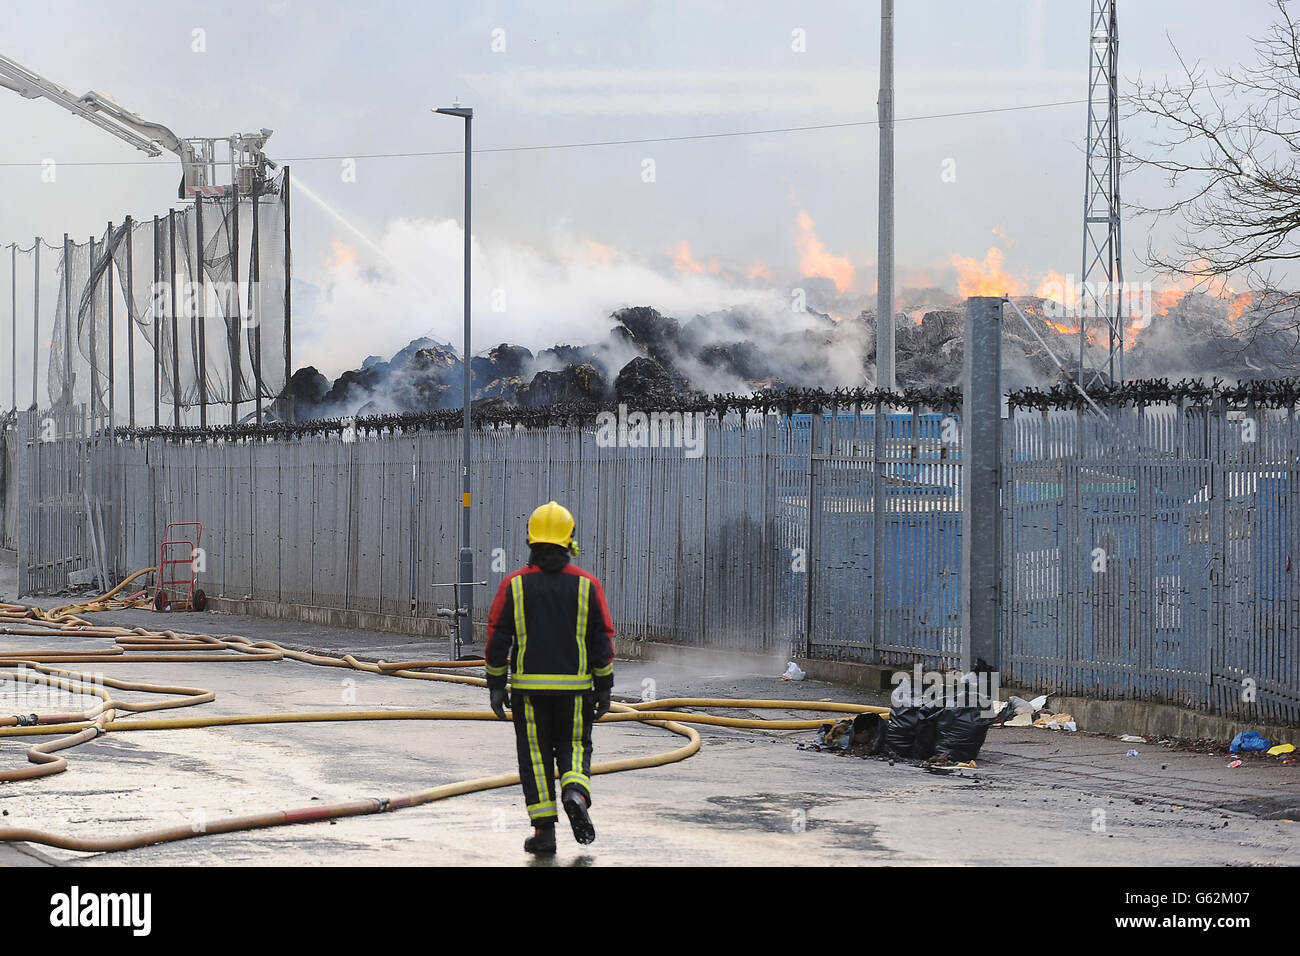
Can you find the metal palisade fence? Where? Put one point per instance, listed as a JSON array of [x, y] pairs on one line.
[[1144, 555], [1150, 555]]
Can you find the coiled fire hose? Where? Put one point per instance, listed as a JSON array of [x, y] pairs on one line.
[[42, 666]]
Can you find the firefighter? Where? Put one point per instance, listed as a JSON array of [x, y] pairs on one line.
[[550, 627]]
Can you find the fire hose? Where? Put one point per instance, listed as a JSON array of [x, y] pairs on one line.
[[139, 645]]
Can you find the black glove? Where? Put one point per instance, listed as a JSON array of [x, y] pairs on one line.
[[499, 702], [602, 705]]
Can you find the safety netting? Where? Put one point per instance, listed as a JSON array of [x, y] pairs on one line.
[[202, 288]]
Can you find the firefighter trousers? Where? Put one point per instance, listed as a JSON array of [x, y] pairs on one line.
[[551, 730]]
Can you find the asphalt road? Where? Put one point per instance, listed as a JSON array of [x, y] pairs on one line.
[[747, 798]]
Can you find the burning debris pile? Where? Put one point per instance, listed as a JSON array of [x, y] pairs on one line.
[[648, 358]]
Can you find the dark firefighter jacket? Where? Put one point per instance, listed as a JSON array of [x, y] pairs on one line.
[[554, 631]]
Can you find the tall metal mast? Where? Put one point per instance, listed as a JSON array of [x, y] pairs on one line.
[[885, 243], [1102, 274]]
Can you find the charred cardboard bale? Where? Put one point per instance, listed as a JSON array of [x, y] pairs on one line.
[[309, 388], [352, 388], [573, 383], [501, 361], [648, 329], [506, 389], [644, 382], [565, 355], [744, 360]]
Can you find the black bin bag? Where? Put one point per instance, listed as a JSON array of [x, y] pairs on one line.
[[961, 733], [912, 732]]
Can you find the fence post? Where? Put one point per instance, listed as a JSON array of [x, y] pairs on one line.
[[130, 321], [13, 325], [156, 312], [36, 314], [197, 310], [90, 294], [981, 460], [879, 508], [1218, 545], [235, 321], [66, 395], [288, 303], [812, 532], [171, 283]]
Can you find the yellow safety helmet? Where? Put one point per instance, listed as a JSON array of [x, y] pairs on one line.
[[552, 523]]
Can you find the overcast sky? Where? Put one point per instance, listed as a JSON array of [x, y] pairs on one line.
[[569, 234]]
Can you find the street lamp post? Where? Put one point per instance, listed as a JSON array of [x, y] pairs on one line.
[[466, 590]]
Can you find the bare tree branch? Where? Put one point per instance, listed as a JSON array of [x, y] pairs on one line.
[[1227, 149]]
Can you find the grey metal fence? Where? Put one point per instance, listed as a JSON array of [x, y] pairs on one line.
[[1148, 555]]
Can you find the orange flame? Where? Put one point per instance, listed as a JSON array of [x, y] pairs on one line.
[[1057, 288], [597, 251], [343, 253], [684, 261], [759, 270], [814, 260], [1238, 306], [975, 277]]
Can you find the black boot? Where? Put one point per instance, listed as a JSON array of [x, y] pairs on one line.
[[575, 805], [542, 840]]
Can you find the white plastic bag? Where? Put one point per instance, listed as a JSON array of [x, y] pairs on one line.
[[793, 672]]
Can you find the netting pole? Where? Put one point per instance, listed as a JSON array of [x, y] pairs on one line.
[[197, 316], [108, 271], [130, 321], [288, 305], [66, 396], [157, 321], [36, 314], [95, 403], [176, 347], [234, 322], [13, 325], [255, 311]]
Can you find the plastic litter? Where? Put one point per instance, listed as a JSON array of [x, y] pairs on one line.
[[793, 672], [1019, 705], [1248, 741], [1235, 763], [1131, 753], [1054, 721], [1133, 739], [1020, 720], [1281, 749]]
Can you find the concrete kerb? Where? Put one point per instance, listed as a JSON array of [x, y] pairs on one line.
[[1094, 716], [340, 617]]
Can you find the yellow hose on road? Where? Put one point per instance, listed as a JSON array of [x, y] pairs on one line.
[[68, 612], [138, 645]]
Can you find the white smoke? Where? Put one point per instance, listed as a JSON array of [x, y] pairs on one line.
[[520, 295]]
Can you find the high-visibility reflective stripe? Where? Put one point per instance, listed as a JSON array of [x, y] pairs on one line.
[[584, 594], [576, 764], [572, 682], [521, 631], [604, 671], [496, 671], [546, 809], [534, 751], [574, 776]]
